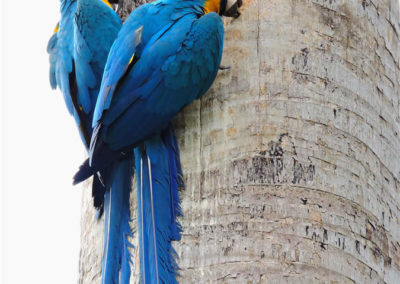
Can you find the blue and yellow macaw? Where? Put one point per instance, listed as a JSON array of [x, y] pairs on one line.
[[78, 53], [166, 55]]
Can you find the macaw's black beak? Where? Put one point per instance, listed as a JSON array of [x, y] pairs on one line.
[[232, 10], [114, 1]]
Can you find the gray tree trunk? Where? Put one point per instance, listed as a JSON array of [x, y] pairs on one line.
[[292, 160]]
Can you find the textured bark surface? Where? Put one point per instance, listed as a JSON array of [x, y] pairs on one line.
[[292, 160]]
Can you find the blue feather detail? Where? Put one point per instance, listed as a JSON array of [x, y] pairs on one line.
[[114, 70], [116, 256], [176, 179], [85, 77], [52, 51], [159, 174]]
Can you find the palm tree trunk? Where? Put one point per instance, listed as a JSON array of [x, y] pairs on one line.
[[292, 160]]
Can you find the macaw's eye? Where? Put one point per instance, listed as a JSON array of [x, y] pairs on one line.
[[230, 8]]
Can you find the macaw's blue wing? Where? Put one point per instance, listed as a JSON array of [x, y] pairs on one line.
[[60, 48], [122, 55], [95, 28], [52, 50], [78, 52], [157, 17], [175, 67], [62, 71], [85, 77]]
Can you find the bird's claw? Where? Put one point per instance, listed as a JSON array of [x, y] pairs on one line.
[[222, 67]]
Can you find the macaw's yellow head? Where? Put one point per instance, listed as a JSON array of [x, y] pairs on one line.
[[228, 8]]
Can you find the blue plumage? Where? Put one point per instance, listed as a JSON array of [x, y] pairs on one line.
[[178, 61], [78, 53], [116, 256], [52, 50], [63, 65], [166, 55], [158, 181], [175, 180]]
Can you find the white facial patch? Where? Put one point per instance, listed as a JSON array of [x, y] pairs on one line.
[[232, 8], [229, 4]]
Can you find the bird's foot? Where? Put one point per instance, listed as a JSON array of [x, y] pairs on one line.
[[222, 67]]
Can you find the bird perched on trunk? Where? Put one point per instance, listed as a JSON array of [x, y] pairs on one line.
[[166, 55], [78, 52]]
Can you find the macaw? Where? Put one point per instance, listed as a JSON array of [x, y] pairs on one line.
[[166, 55], [78, 52]]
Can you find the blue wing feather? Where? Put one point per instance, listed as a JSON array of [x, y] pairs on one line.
[[52, 50], [78, 53], [160, 83], [85, 77], [64, 49], [119, 59], [96, 26]]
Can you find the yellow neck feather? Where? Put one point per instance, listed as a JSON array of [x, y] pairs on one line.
[[212, 6], [107, 3]]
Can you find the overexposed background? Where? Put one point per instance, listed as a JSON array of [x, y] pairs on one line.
[[40, 152]]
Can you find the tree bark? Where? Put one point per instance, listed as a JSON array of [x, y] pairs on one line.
[[292, 160]]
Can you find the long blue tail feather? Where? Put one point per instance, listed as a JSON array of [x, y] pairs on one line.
[[159, 176], [116, 256], [176, 178]]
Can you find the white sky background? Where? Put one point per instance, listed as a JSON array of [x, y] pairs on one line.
[[41, 151]]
